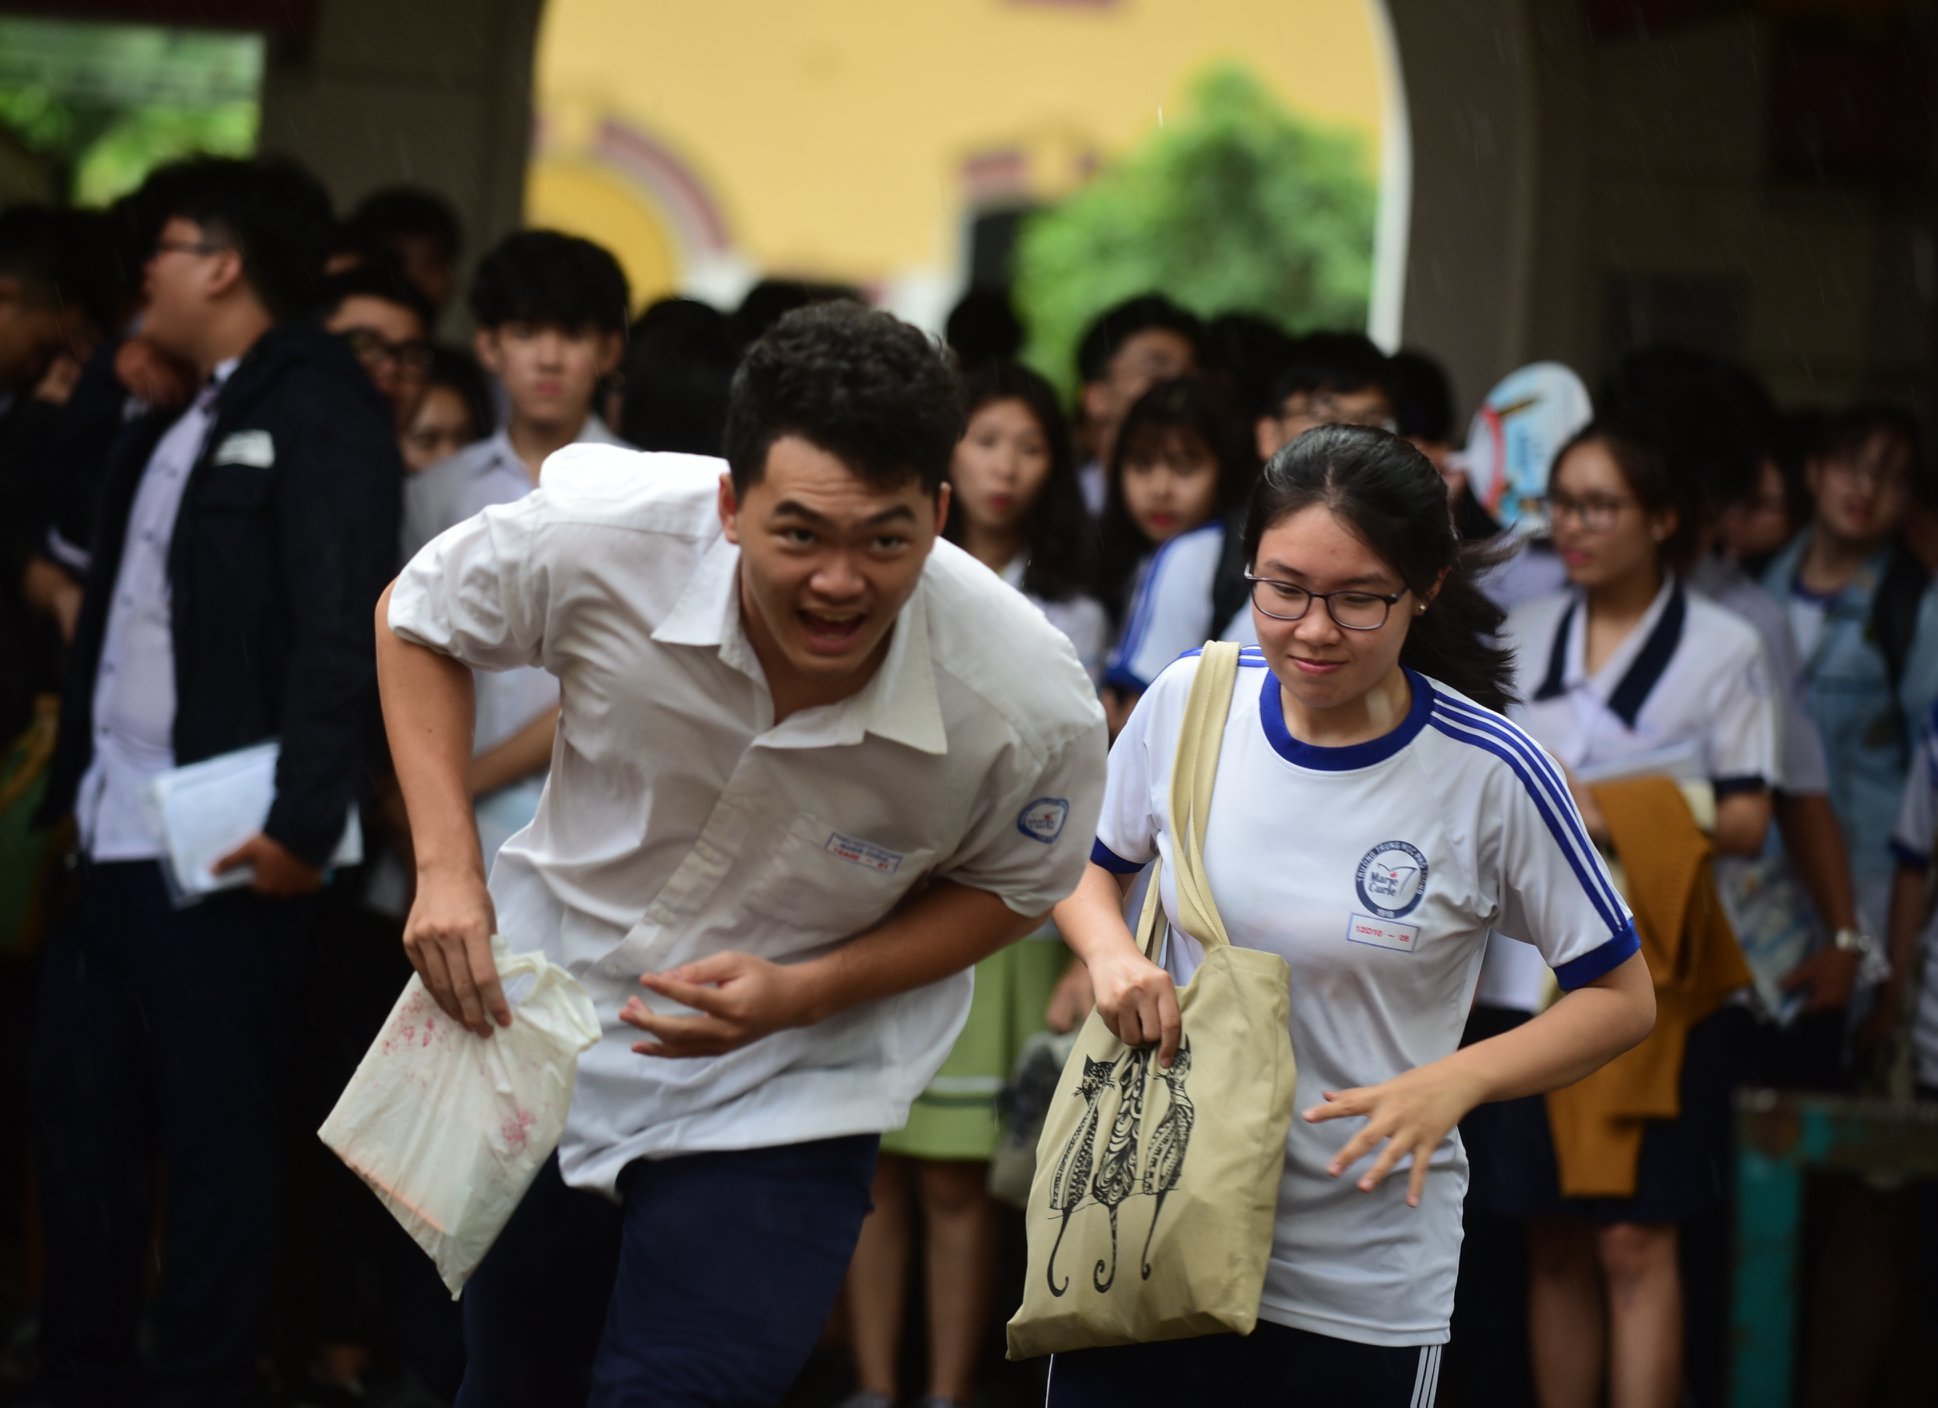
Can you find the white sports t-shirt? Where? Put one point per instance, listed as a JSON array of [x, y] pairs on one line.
[[1377, 871], [1170, 607]]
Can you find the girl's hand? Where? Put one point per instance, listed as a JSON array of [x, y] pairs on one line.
[[1137, 1001], [1071, 1001], [1411, 1114]]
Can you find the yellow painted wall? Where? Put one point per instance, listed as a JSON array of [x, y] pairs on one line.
[[832, 133]]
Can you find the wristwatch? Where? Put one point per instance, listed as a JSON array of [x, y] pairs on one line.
[[1872, 966]]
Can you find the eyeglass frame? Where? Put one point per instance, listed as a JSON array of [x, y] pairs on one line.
[[387, 351], [196, 247], [1311, 596], [1594, 515]]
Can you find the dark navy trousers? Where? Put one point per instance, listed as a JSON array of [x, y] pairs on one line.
[[161, 1045], [709, 1283]]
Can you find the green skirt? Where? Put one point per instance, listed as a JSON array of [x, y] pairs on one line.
[[955, 1118]]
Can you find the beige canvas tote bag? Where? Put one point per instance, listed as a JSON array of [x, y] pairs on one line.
[[1152, 1209]]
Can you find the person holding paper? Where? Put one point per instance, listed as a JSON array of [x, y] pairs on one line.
[[239, 545], [811, 765]]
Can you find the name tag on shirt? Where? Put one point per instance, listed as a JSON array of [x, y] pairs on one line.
[[864, 853], [251, 447], [1382, 933]]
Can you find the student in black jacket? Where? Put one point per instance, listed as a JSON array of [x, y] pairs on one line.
[[239, 548]]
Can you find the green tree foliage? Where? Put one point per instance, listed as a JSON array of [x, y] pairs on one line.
[[101, 105], [1238, 205]]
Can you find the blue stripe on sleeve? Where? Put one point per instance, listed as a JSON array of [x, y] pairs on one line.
[[1536, 774], [1579, 972], [1100, 854], [1909, 858], [1730, 786], [1552, 784]]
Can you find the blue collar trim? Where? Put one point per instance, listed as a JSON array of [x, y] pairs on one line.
[[1271, 713]]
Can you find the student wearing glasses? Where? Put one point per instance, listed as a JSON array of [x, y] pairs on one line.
[[383, 320], [1373, 818], [1629, 673]]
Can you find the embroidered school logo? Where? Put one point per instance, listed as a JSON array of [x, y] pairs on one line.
[[1042, 820], [1392, 879]]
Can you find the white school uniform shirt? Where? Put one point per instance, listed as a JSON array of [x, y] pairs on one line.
[[1170, 607], [1081, 618], [1911, 841], [1689, 694], [678, 820], [481, 474], [1376, 870]]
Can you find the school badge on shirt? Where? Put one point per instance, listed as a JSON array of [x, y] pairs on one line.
[[1042, 820], [1392, 879]]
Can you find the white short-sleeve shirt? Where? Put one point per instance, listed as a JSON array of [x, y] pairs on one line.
[[1689, 693], [679, 820], [1170, 607], [1377, 871]]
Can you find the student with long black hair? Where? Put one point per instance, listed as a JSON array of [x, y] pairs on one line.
[[1179, 474], [1373, 818]]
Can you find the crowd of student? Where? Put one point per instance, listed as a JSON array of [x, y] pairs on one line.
[[1733, 599]]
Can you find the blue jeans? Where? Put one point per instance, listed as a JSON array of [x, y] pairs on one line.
[[713, 1279]]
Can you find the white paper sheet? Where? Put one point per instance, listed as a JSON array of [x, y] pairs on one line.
[[207, 809]]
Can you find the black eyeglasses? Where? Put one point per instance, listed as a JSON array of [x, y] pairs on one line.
[[188, 247], [1352, 611], [373, 349]]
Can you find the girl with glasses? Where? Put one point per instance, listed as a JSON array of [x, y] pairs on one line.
[[1625, 674], [1373, 817]]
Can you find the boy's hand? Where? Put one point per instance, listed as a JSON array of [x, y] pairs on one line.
[[739, 998]]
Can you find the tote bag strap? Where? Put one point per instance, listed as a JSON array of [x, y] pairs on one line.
[[1192, 774]]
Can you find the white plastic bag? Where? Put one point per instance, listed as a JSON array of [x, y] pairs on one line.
[[449, 1128]]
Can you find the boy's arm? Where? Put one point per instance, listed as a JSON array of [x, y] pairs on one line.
[[428, 711], [741, 998]]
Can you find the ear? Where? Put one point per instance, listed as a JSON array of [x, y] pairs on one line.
[[1434, 590], [484, 342], [943, 498], [1266, 435], [225, 273], [729, 510], [611, 348], [1663, 524]]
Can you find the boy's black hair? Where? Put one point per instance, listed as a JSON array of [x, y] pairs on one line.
[[861, 385], [1709, 420], [770, 300], [1422, 395], [550, 280], [679, 364], [1248, 349], [271, 210], [376, 277], [1331, 361], [1117, 325], [63, 258], [408, 212], [983, 328]]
